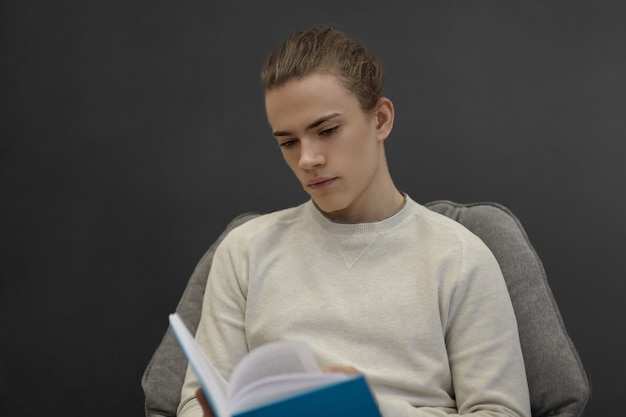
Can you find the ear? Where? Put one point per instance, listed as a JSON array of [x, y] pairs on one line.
[[384, 113]]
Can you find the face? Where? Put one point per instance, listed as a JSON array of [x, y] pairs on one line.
[[334, 148]]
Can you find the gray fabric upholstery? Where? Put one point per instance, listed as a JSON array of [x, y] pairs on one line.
[[557, 380]]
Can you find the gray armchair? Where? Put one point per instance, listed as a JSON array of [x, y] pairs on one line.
[[557, 380]]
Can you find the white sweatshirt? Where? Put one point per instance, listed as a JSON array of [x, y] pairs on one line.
[[416, 302]]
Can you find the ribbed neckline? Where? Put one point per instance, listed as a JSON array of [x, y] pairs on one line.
[[380, 226]]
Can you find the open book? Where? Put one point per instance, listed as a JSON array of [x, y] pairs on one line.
[[278, 379]]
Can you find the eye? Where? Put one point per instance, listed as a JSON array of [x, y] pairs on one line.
[[288, 143], [329, 131]]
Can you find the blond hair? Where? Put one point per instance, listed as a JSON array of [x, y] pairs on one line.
[[327, 50]]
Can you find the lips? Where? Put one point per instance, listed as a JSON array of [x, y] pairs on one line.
[[321, 182]]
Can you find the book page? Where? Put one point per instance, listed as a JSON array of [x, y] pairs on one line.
[[214, 385], [276, 358]]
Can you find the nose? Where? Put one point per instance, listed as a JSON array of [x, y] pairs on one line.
[[311, 155]]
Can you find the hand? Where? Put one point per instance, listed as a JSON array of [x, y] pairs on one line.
[[206, 407], [348, 370]]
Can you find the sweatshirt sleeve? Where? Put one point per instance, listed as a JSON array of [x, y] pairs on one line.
[[221, 332], [482, 340]]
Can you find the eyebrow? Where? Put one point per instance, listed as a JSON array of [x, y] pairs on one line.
[[313, 125]]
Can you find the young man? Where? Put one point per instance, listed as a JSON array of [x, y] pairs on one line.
[[373, 281]]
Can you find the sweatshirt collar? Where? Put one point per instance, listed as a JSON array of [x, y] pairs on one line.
[[380, 226]]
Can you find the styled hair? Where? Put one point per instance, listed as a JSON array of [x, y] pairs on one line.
[[326, 50]]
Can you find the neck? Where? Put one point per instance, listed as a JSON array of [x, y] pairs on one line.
[[379, 206]]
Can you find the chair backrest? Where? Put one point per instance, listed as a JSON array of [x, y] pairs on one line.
[[557, 380]]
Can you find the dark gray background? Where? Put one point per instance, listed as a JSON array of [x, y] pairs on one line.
[[133, 131]]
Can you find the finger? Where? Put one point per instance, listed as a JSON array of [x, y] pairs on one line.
[[348, 370], [206, 407]]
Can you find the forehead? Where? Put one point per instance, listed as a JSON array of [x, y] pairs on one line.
[[299, 102]]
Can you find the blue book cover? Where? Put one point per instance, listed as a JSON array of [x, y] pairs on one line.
[[348, 398]]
